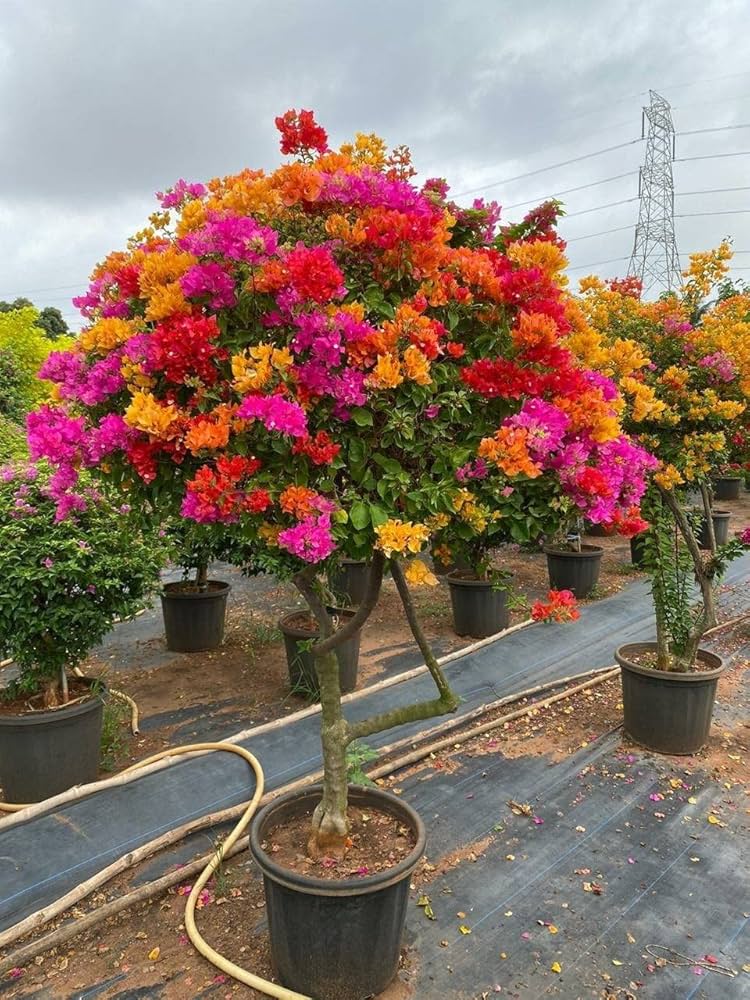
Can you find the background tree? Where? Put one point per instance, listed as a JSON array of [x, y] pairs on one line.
[[52, 322]]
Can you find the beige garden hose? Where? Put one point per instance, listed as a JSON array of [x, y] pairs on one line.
[[195, 936]]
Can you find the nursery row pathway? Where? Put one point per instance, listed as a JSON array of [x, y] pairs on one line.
[[46, 856]]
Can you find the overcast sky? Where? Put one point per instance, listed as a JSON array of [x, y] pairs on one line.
[[103, 102]]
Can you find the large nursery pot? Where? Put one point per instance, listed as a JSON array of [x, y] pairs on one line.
[[574, 571], [335, 940], [46, 752], [667, 711], [479, 609], [726, 487], [720, 519], [193, 616], [303, 677], [349, 579]]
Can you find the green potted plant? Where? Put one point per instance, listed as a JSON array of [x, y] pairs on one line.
[[194, 607], [669, 686], [63, 583], [317, 362]]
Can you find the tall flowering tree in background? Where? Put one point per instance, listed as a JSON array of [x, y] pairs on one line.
[[683, 369], [328, 360]]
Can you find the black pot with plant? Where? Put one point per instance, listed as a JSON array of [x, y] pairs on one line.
[[301, 631], [347, 580], [63, 583], [573, 565], [194, 607], [669, 686]]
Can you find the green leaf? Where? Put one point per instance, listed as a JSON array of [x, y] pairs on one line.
[[377, 515], [362, 417], [359, 515]]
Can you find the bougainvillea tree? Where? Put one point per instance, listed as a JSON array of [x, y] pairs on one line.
[[684, 372], [329, 360]]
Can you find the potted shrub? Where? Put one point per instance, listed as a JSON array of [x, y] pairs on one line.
[[194, 608], [321, 362], [572, 564], [684, 372], [669, 686], [726, 481], [62, 585]]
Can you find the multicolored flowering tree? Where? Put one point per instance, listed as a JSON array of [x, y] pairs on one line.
[[328, 360], [684, 373]]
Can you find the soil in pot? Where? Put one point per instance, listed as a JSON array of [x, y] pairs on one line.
[[720, 519], [667, 711], [299, 627], [194, 616], [727, 487], [348, 581], [336, 934], [46, 751], [574, 571], [479, 608]]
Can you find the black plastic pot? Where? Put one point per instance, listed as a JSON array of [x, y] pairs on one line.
[[194, 619], [720, 519], [599, 531], [43, 753], [348, 581], [667, 711], [727, 487], [479, 610], [335, 940], [303, 676], [638, 549], [575, 571]]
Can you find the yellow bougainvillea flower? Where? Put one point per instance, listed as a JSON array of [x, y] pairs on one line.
[[147, 414], [419, 574], [107, 334], [668, 477], [386, 374], [399, 537]]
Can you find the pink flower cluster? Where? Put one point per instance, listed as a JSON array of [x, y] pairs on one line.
[[275, 413], [211, 281], [80, 382], [310, 539], [721, 365], [235, 237], [174, 197]]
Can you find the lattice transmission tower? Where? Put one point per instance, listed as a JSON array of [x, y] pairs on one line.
[[655, 259]]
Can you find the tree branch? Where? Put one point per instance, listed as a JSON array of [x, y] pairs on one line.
[[703, 572], [446, 694], [706, 496], [427, 709], [363, 612]]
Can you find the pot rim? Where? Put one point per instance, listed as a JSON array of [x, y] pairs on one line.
[[298, 633], [171, 592], [730, 479], [677, 677], [343, 887], [457, 581], [47, 715], [587, 552]]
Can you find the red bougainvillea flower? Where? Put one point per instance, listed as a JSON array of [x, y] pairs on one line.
[[300, 133], [560, 606]]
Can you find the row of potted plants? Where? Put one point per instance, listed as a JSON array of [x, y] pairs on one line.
[[328, 362]]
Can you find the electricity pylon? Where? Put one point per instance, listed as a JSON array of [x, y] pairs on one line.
[[655, 259]]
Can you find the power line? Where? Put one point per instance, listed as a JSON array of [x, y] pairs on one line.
[[711, 156], [604, 232], [718, 128], [598, 263], [552, 166], [733, 211], [611, 204], [684, 194], [580, 187]]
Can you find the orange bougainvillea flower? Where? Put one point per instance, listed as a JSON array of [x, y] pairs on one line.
[[297, 500], [209, 431], [508, 450], [535, 329], [386, 374]]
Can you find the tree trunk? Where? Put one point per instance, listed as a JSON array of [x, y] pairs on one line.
[[329, 823], [201, 575]]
